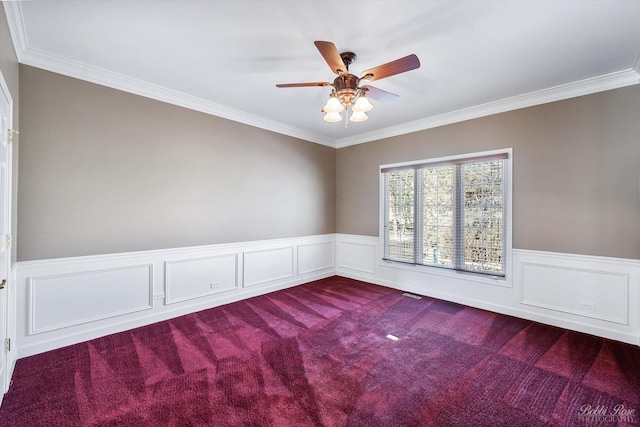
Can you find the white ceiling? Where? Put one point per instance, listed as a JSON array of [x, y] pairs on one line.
[[225, 57]]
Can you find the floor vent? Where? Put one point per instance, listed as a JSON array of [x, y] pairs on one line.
[[406, 294]]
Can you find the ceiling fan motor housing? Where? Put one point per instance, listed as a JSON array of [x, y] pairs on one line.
[[346, 86]]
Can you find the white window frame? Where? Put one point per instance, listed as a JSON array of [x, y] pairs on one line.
[[505, 280]]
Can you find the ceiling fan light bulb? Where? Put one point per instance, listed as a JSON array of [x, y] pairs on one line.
[[359, 116], [332, 117], [333, 105], [362, 105]]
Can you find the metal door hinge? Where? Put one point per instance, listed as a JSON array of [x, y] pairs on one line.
[[7, 344], [8, 240], [13, 132]]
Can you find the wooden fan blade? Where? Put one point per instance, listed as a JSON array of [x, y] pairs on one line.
[[379, 94], [408, 63], [304, 84], [330, 54]]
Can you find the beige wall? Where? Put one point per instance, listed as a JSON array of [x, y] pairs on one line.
[[9, 68], [104, 171], [576, 184]]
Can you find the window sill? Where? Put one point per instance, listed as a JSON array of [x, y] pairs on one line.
[[504, 282]]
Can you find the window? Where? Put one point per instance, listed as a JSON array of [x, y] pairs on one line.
[[447, 213]]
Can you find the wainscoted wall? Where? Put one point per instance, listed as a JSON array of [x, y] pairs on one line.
[[69, 300], [595, 295]]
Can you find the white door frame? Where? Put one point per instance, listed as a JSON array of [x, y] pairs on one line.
[[8, 310]]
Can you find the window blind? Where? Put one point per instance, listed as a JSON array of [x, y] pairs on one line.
[[447, 214]]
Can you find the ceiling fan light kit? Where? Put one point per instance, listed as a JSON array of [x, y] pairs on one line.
[[332, 117], [347, 92], [358, 116], [362, 104], [333, 105]]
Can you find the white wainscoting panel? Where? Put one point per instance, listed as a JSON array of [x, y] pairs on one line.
[[61, 301], [597, 295], [358, 253], [316, 257], [591, 293], [194, 278], [65, 301], [267, 265]]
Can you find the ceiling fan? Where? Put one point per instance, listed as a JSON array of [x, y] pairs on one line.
[[347, 91]]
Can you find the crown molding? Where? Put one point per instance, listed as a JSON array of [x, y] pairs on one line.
[[602, 83], [92, 74], [103, 77], [15, 21], [33, 57]]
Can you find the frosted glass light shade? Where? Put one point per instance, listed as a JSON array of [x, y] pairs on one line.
[[359, 116], [333, 105], [362, 104], [332, 117]]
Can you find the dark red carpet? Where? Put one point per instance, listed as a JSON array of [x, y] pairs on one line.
[[318, 355]]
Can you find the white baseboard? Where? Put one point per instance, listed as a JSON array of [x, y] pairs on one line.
[[70, 300], [594, 295]]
